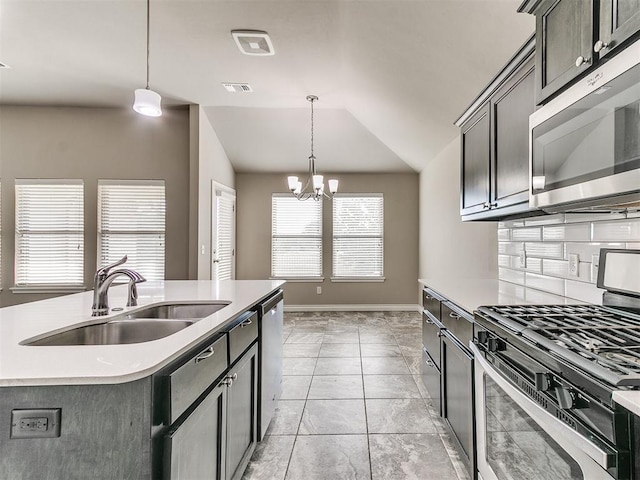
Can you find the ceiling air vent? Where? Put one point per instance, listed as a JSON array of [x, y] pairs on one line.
[[253, 42], [237, 87]]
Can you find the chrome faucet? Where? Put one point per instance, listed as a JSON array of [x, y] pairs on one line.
[[103, 280]]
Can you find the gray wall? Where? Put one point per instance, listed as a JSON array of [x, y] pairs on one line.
[[209, 162], [400, 239], [451, 248], [92, 144]]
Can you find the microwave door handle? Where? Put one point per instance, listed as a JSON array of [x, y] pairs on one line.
[[548, 422]]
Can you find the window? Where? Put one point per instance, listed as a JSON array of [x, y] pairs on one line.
[[49, 233], [358, 224], [296, 238], [131, 221]]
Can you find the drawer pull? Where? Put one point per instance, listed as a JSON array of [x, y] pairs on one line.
[[204, 354], [454, 315], [246, 323]]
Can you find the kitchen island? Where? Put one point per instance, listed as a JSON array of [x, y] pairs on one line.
[[121, 408]]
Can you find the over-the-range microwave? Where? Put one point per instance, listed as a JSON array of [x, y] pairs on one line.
[[584, 145]]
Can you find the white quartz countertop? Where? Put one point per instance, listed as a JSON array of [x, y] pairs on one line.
[[470, 294], [22, 365], [629, 399]]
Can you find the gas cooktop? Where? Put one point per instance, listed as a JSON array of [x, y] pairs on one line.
[[602, 341]]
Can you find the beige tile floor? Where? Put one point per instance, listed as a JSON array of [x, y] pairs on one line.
[[353, 405]]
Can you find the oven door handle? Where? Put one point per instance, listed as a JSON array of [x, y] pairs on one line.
[[606, 459]]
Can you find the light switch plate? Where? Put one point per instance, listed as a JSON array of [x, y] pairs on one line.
[[574, 261], [35, 423]]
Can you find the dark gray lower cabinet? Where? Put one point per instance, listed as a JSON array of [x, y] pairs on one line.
[[457, 395], [430, 374], [195, 448], [241, 418]]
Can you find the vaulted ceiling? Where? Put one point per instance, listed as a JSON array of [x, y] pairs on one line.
[[391, 75]]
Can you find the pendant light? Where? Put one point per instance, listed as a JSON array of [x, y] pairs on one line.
[[314, 186], [147, 102]]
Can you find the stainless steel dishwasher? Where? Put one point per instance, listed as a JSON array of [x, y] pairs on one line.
[[270, 359]]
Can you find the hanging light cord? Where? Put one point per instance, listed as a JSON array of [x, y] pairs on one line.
[[148, 6], [312, 100]]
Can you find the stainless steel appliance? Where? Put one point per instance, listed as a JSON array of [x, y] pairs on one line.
[[544, 377], [585, 144], [270, 355]]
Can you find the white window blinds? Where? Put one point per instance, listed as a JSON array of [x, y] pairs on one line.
[[225, 241], [131, 221], [296, 237], [49, 232], [358, 225]]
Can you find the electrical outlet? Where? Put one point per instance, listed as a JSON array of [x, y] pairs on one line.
[[38, 423], [319, 290], [523, 259], [595, 264], [574, 261]]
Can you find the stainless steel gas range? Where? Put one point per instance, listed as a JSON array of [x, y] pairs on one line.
[[544, 377]]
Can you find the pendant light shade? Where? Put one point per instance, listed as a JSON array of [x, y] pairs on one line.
[[147, 102]]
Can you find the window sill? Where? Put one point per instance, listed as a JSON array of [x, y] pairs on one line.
[[358, 279], [299, 279], [48, 289]]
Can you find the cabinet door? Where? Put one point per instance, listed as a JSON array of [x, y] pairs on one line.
[[242, 412], [195, 448], [457, 396], [511, 107], [430, 376], [564, 42], [619, 21], [476, 151]]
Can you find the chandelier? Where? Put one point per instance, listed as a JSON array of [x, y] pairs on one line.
[[314, 186]]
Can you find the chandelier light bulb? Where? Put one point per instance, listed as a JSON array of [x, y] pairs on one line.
[[317, 182], [293, 182], [333, 185]]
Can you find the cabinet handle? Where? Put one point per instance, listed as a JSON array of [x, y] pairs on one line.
[[582, 60], [454, 315], [493, 205], [599, 45], [246, 323], [204, 354], [228, 381], [485, 206]]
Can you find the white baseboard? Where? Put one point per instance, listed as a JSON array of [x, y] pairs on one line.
[[354, 308]]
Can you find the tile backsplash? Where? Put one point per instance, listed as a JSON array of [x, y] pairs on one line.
[[534, 252]]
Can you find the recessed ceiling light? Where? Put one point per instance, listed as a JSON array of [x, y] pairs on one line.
[[253, 42], [237, 87]]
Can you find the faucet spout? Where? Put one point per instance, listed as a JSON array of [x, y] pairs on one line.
[[103, 280]]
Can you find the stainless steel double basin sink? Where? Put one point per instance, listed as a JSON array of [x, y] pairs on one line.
[[143, 325]]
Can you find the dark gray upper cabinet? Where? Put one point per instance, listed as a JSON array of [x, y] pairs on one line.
[[510, 109], [574, 36], [495, 143], [619, 22], [476, 152], [564, 43]]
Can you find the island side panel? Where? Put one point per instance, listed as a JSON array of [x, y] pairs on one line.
[[105, 433]]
